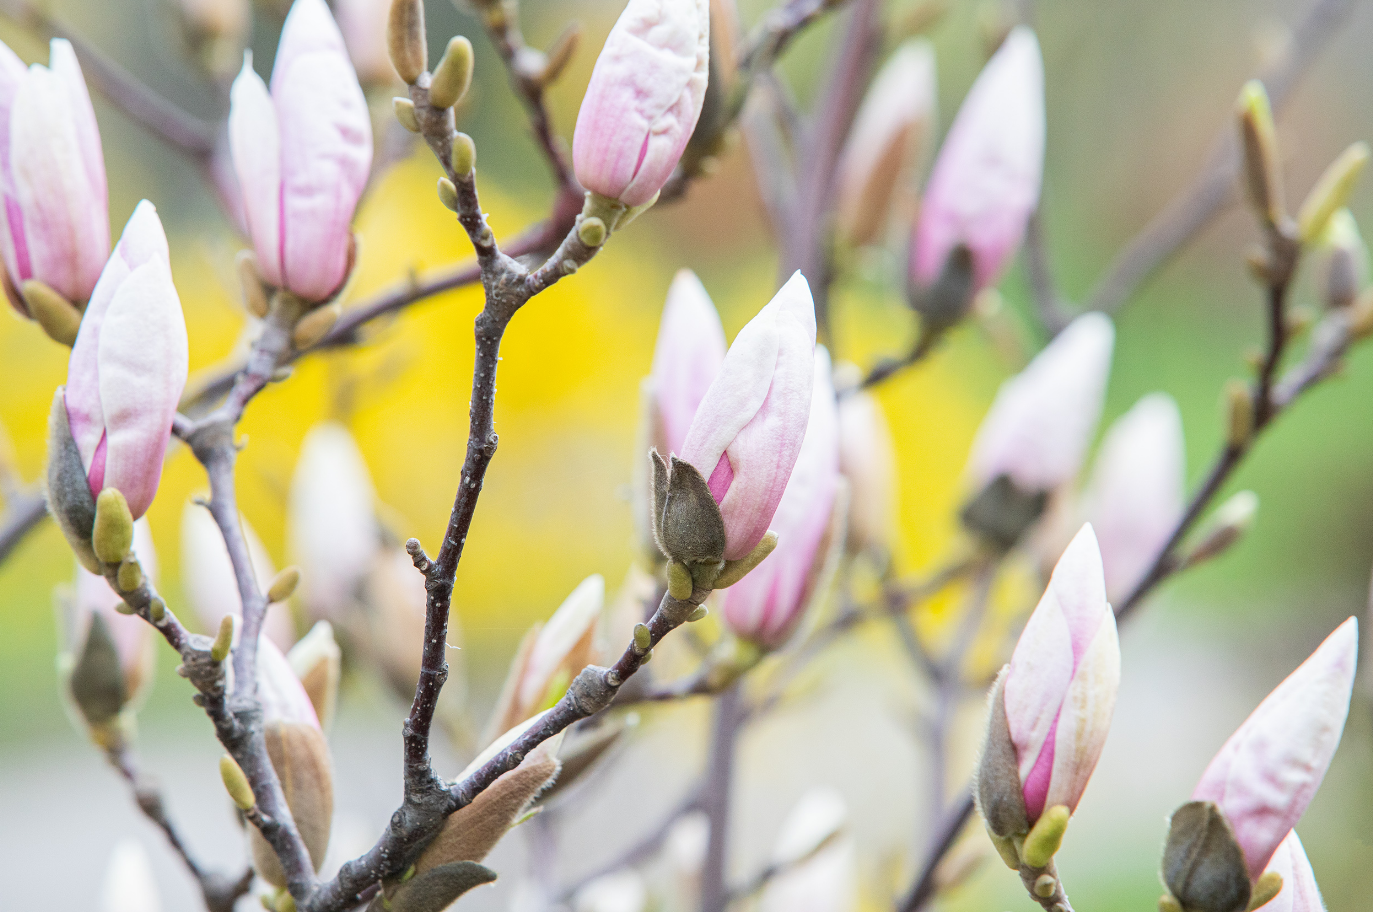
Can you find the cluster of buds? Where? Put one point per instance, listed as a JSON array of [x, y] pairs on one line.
[[110, 425], [1224, 849], [1050, 712], [712, 505], [302, 153], [641, 106], [55, 233], [984, 185], [1035, 436]]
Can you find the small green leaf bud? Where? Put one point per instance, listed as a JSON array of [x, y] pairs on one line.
[[1266, 888], [453, 75], [1045, 837], [405, 39], [283, 584], [125, 608], [1331, 191], [1239, 407], [236, 783], [157, 609], [315, 325], [697, 614], [1045, 886], [1260, 144], [405, 113], [591, 232], [59, 317], [448, 194], [130, 575], [254, 294], [643, 638], [223, 640], [679, 583], [112, 535]]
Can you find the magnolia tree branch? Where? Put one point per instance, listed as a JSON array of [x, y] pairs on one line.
[[716, 798], [22, 514], [220, 891]]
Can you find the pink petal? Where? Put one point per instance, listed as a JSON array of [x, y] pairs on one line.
[[283, 696], [1085, 717], [309, 29], [255, 143], [326, 153], [62, 60], [688, 355], [1299, 890]]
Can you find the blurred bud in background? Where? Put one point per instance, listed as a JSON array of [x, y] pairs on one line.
[[619, 891], [1342, 260], [216, 32], [1299, 891], [300, 757], [1135, 497], [766, 606], [390, 629], [302, 154], [684, 848], [318, 662], [56, 228], [984, 185], [129, 882], [1037, 431], [363, 24], [643, 100], [332, 521], [867, 460], [748, 430], [207, 576], [890, 138], [714, 130], [1050, 710], [1266, 774], [817, 859], [550, 656], [108, 658]]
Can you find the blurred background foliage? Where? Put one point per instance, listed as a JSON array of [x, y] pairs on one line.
[[1136, 95]]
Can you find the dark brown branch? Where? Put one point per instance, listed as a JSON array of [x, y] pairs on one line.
[[1193, 208], [946, 833], [144, 106]]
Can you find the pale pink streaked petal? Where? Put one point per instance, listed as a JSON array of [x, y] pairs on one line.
[[574, 617], [765, 606], [867, 459], [1264, 777], [738, 391], [283, 696], [326, 153], [255, 143], [1043, 419], [1299, 891], [309, 29], [363, 24], [643, 100], [688, 355], [1135, 497], [142, 361], [1085, 717], [985, 182], [62, 60], [207, 575]]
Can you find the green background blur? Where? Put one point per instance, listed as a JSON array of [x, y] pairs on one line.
[[1136, 95]]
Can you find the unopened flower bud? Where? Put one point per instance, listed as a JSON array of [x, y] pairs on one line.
[[1331, 191], [317, 661], [209, 581], [985, 182], [453, 75], [1203, 865], [1297, 889], [1051, 706], [406, 40], [303, 152], [1227, 525], [643, 100], [867, 460], [1342, 260], [1259, 141]]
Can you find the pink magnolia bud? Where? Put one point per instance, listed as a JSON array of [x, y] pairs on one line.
[[128, 366], [816, 859], [332, 520], [690, 350], [207, 576], [643, 100], [302, 154], [867, 460], [985, 182], [765, 606], [891, 131], [1135, 497], [1269, 770], [748, 429], [363, 24], [283, 697], [1299, 891], [56, 227], [1060, 687], [1042, 420]]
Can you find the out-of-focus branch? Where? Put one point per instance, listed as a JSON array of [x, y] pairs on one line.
[[716, 796], [1193, 208], [22, 515], [219, 890], [945, 834], [1048, 303], [149, 109], [637, 852]]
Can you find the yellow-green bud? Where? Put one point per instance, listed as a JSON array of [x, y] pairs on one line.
[[130, 576], [448, 194], [1266, 888], [223, 640], [591, 232], [1260, 145], [405, 39], [59, 317], [697, 614], [1045, 837], [283, 584], [679, 582], [643, 638], [112, 536], [405, 113], [254, 294], [315, 325], [464, 156], [1239, 408], [453, 75], [560, 53], [236, 783], [1331, 191]]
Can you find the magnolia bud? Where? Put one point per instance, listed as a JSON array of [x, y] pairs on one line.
[[1227, 525], [1263, 176], [1297, 889], [317, 661], [1203, 865], [453, 75], [209, 581], [1331, 191], [1343, 260], [406, 40]]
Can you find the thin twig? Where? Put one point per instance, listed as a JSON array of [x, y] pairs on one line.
[[22, 515], [639, 851], [715, 798], [951, 823], [1048, 303]]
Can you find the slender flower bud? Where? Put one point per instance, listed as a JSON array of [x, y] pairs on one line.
[[1052, 705], [109, 656], [332, 520], [1299, 891], [56, 227], [1268, 772], [128, 366], [688, 355], [643, 100], [1042, 420], [1135, 497], [207, 576], [766, 605], [890, 134], [129, 884], [867, 461], [985, 182], [748, 429], [817, 862], [302, 154], [300, 757], [551, 656], [363, 25]]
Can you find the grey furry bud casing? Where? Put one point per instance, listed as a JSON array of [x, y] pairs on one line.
[[1203, 864]]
